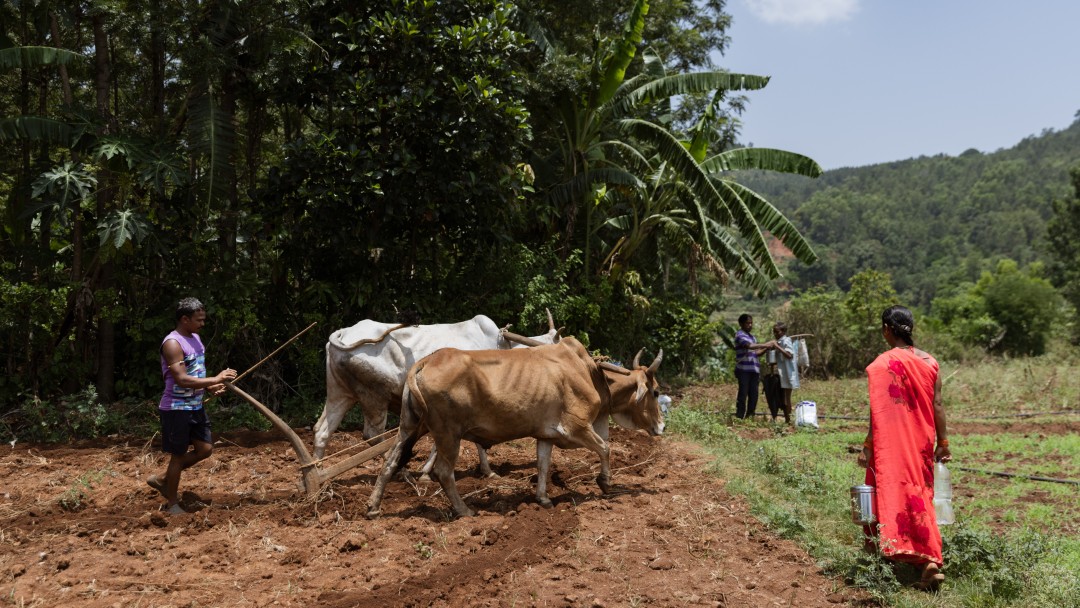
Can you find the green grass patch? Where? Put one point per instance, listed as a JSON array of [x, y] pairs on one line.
[[1015, 543]]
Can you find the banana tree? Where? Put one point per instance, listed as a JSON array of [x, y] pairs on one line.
[[615, 135]]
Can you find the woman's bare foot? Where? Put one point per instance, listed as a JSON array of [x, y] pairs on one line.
[[931, 578]]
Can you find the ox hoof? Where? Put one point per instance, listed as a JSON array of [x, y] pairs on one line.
[[425, 478], [605, 485], [545, 502], [374, 513], [490, 475]]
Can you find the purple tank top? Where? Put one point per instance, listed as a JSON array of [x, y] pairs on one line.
[[177, 397]]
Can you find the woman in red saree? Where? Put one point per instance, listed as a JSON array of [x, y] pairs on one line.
[[906, 420]]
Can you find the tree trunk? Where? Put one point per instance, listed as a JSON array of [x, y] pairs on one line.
[[106, 335]]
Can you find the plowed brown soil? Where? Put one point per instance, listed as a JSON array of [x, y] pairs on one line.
[[79, 527]]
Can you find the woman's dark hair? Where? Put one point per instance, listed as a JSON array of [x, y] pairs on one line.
[[900, 320], [743, 318]]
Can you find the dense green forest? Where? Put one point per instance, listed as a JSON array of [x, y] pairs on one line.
[[295, 161], [931, 222]]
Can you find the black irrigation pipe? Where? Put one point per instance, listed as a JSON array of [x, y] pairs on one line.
[[998, 417], [1031, 477]]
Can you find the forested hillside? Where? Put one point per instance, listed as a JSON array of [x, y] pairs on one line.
[[931, 222]]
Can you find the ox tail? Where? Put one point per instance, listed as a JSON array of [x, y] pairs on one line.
[[413, 410], [413, 403]]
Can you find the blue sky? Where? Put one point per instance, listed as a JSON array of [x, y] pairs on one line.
[[856, 82]]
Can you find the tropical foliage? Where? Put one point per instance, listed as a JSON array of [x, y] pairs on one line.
[[290, 162]]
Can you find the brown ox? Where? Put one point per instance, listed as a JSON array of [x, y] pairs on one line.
[[557, 394]]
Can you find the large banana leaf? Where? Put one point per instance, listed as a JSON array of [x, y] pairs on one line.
[[213, 137], [37, 129], [686, 84], [673, 152], [35, 56], [623, 54], [770, 218], [572, 190], [767, 159], [699, 142], [730, 252], [723, 205]]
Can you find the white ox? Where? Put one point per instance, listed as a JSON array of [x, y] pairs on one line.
[[369, 361]]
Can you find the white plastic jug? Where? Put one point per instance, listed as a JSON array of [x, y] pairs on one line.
[[943, 495]]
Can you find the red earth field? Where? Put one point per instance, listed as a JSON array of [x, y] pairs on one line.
[[79, 527]]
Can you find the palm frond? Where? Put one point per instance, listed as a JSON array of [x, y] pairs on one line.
[[534, 30]]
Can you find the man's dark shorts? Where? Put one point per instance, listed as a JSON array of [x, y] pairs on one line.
[[179, 428]]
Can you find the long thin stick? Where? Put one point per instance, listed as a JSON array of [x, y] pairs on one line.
[[267, 357]]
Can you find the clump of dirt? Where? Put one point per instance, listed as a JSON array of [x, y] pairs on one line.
[[79, 526]]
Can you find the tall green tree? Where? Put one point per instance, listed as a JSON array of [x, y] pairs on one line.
[[614, 133], [1063, 244], [407, 182]]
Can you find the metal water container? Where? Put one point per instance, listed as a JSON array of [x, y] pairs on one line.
[[862, 505]]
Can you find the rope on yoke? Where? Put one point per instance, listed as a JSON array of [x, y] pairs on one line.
[[369, 340]]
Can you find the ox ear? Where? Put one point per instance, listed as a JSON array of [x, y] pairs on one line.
[[639, 394]]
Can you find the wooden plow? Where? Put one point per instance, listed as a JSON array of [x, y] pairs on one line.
[[312, 475]]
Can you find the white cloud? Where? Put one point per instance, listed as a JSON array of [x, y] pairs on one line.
[[803, 12]]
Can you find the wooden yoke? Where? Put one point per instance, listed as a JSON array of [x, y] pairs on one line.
[[512, 337]]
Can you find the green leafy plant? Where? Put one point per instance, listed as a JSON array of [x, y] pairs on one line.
[[77, 493], [79, 415], [424, 550]]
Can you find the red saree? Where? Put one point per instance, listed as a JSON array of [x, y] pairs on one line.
[[902, 454]]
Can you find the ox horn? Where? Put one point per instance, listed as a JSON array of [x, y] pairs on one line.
[[551, 321], [656, 362], [611, 367], [637, 359], [558, 335]]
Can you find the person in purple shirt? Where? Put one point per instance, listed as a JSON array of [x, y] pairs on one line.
[[184, 422], [747, 367]]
